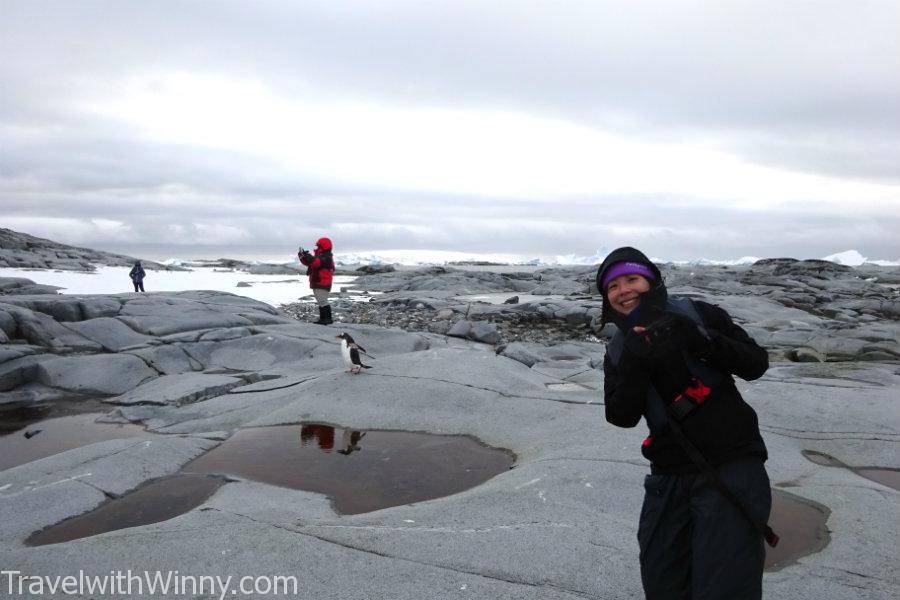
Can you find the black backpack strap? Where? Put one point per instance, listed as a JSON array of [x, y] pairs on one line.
[[697, 458]]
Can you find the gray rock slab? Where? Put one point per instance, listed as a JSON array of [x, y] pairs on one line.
[[484, 332], [460, 329], [521, 353], [61, 308], [168, 360], [32, 509], [378, 341], [225, 412], [183, 388], [113, 335], [255, 352], [7, 323], [190, 321], [43, 330], [18, 369], [562, 522], [99, 374]]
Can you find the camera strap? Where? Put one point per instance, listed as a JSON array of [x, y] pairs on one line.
[[701, 463]]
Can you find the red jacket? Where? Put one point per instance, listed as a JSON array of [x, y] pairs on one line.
[[320, 266]]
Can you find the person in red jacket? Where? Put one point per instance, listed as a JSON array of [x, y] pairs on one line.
[[320, 268]]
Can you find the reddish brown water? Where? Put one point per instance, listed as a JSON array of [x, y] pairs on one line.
[[153, 502], [47, 437], [360, 471], [801, 525]]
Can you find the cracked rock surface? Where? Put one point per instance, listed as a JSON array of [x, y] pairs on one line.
[[196, 366]]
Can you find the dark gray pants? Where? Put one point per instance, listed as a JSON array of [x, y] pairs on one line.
[[695, 545]]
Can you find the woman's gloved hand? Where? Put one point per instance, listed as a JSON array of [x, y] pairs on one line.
[[670, 333]]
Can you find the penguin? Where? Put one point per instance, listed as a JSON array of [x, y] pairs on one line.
[[350, 439], [350, 351]]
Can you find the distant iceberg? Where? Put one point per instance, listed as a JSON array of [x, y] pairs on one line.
[[852, 258], [425, 258], [573, 259]]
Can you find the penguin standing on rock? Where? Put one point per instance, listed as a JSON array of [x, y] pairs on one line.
[[350, 351]]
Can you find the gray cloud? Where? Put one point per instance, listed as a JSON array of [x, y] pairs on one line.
[[798, 86]]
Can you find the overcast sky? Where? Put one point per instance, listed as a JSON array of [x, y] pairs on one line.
[[712, 129]]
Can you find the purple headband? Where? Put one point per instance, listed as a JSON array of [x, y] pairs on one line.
[[627, 268]]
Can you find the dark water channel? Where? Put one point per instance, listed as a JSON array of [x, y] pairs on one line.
[[28, 433], [360, 471], [884, 476], [159, 500]]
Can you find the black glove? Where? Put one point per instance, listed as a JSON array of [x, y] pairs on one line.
[[670, 333], [637, 359]]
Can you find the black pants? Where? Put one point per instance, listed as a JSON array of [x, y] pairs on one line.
[[695, 544], [138, 284]]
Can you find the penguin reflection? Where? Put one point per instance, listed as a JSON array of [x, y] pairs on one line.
[[321, 433], [350, 439]]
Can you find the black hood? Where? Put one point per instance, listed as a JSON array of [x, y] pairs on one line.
[[654, 298]]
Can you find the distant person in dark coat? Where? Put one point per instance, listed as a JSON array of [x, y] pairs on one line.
[[137, 276], [320, 268]]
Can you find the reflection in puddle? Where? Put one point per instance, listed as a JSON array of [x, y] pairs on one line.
[[156, 501], [44, 437], [370, 470], [15, 415], [323, 434], [14, 418], [800, 523], [883, 475], [58, 435]]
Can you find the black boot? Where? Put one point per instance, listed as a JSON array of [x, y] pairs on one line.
[[324, 315]]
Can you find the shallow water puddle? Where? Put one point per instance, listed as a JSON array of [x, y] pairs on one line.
[[15, 415], [883, 475], [156, 501], [31, 435], [801, 525], [361, 471]]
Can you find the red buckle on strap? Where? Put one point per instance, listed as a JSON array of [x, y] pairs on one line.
[[698, 391]]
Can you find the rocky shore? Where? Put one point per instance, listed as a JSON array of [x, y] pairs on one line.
[[802, 311], [449, 355], [23, 251]]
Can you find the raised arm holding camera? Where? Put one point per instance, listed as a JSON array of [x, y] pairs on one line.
[[320, 269]]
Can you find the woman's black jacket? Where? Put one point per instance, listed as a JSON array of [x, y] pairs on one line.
[[723, 428]]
